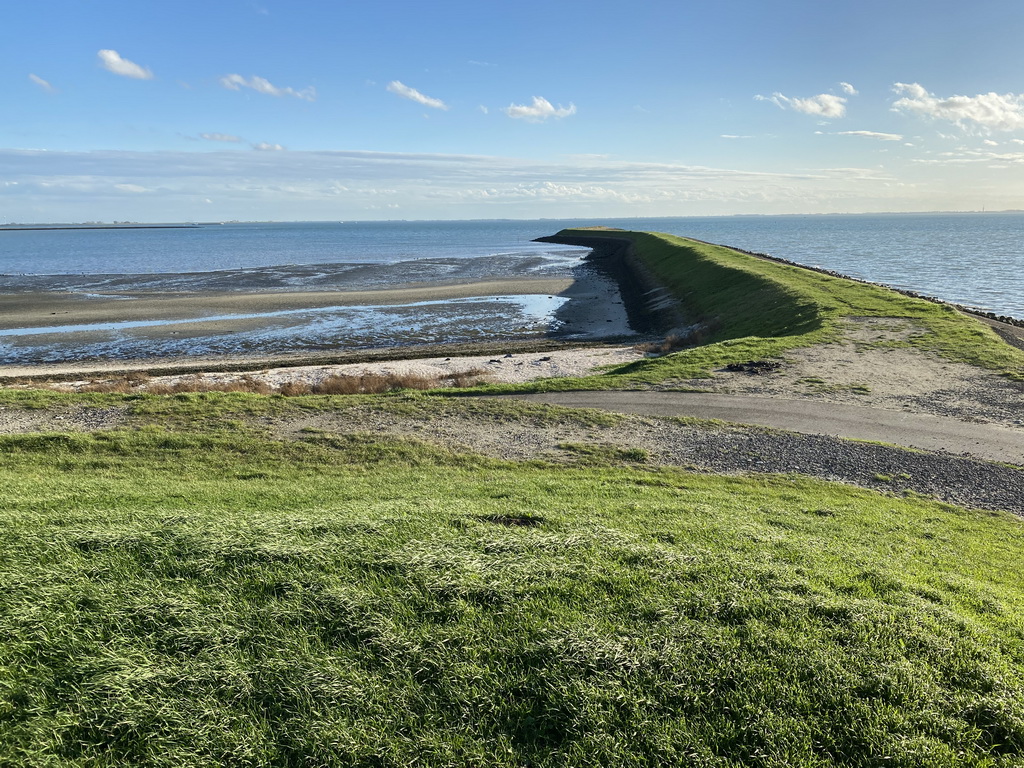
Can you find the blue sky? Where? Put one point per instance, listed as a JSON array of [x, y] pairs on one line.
[[316, 110]]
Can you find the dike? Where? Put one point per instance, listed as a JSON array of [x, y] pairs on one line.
[[650, 306]]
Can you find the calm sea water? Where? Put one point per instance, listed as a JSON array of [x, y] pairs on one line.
[[971, 259]]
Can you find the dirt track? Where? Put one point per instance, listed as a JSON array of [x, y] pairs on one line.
[[914, 430]]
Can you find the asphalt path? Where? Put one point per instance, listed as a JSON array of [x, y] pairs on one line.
[[913, 430]]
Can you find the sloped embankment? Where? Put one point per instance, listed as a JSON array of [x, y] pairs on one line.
[[749, 307]]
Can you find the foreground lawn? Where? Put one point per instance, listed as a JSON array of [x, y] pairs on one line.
[[179, 599]]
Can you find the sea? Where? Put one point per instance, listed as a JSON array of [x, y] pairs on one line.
[[973, 259]]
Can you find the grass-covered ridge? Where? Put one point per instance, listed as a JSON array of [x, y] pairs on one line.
[[187, 590], [220, 599], [761, 308]]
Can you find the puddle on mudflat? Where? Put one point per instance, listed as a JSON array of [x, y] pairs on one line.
[[300, 330]]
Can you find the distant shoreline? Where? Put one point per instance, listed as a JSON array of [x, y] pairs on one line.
[[102, 226], [568, 219]]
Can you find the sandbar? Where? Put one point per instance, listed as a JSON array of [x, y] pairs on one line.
[[52, 309]]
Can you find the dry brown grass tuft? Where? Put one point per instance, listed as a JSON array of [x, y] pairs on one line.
[[112, 386], [670, 343], [469, 378], [375, 383], [340, 384], [295, 388], [199, 384], [124, 384], [352, 385], [695, 336]]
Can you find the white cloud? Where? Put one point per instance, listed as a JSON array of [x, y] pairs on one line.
[[484, 109], [331, 185], [1017, 141], [266, 147], [134, 189], [734, 136], [539, 111], [553, 191], [42, 83], [988, 111], [112, 62], [403, 90], [966, 157], [872, 135], [990, 143], [823, 105], [262, 85], [848, 89], [219, 137]]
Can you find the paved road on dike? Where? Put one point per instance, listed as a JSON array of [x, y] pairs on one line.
[[915, 430]]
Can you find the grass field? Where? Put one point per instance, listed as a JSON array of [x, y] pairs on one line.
[[212, 597], [191, 591]]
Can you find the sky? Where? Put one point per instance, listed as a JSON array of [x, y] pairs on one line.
[[161, 110]]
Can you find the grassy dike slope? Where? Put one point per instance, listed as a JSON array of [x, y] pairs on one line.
[[204, 599], [194, 591], [760, 308]]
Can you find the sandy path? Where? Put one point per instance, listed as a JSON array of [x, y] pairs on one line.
[[924, 431]]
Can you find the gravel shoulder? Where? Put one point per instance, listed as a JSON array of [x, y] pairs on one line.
[[914, 430], [689, 444]]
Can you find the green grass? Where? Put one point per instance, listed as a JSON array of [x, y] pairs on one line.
[[596, 453], [763, 308], [189, 592], [219, 599]]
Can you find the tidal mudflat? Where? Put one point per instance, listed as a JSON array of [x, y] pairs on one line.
[[50, 328]]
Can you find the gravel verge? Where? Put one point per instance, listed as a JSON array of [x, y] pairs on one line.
[[698, 446], [955, 479], [16, 421], [556, 434]]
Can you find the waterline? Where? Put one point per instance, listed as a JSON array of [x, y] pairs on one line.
[[533, 306]]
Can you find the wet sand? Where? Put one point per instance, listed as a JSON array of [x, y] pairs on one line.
[[40, 310], [183, 330]]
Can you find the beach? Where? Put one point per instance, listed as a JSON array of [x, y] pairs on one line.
[[44, 309], [57, 333]]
